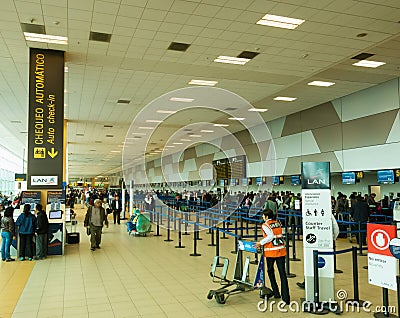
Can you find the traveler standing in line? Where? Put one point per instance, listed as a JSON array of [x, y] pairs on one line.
[[94, 219], [360, 213], [41, 231], [116, 207], [7, 234], [274, 251], [271, 204], [26, 223]]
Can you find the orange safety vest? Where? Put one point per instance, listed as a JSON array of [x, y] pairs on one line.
[[275, 248]]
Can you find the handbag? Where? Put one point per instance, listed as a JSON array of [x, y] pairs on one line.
[[88, 230]]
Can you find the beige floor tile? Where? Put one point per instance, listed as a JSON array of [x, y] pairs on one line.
[[147, 277]]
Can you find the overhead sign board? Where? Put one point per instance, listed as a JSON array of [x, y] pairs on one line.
[[382, 265], [46, 117]]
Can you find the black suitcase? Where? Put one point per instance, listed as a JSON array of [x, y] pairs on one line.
[[73, 238]]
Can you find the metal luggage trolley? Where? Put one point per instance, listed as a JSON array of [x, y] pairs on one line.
[[241, 280]]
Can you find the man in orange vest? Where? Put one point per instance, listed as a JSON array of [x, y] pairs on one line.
[[274, 251]]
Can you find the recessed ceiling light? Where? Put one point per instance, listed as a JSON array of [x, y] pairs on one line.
[[362, 56], [278, 21], [231, 60], [366, 63], [181, 99], [195, 136], [54, 39], [170, 146], [166, 111], [177, 46], [236, 118], [65, 69], [321, 83], [153, 121], [123, 101], [185, 140], [221, 125], [145, 127], [138, 133], [116, 151], [177, 143], [258, 110], [203, 83], [286, 99], [206, 131], [248, 55], [100, 36]]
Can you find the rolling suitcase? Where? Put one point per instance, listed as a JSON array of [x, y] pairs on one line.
[[73, 238]]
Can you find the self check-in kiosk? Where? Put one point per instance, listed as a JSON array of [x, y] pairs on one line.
[[55, 209]]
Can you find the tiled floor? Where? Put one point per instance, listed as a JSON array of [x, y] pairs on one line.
[[144, 277]]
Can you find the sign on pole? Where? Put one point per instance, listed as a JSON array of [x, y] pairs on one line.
[[317, 227], [382, 265], [46, 119]]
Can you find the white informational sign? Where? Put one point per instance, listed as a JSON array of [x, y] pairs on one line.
[[378, 268], [297, 204], [318, 235], [317, 222], [382, 265]]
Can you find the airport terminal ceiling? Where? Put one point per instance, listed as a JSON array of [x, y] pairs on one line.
[[123, 54]]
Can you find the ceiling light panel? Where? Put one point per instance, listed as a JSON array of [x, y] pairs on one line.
[[278, 21], [231, 60], [321, 83], [258, 110], [180, 99], [166, 111], [371, 64], [54, 39], [285, 99], [202, 82], [237, 118], [221, 125]]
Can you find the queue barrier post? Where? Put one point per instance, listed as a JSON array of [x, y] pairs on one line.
[[195, 238], [179, 235], [212, 237], [217, 246], [158, 223], [288, 274], [337, 271], [294, 258], [385, 309], [236, 239], [255, 239], [356, 297], [197, 233], [186, 223], [168, 227]]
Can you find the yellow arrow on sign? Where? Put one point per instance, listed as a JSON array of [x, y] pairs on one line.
[[52, 153]]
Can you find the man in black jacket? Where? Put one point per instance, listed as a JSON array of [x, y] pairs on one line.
[[360, 213], [116, 207], [41, 231]]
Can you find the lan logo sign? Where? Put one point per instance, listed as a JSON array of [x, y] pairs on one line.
[[44, 180]]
